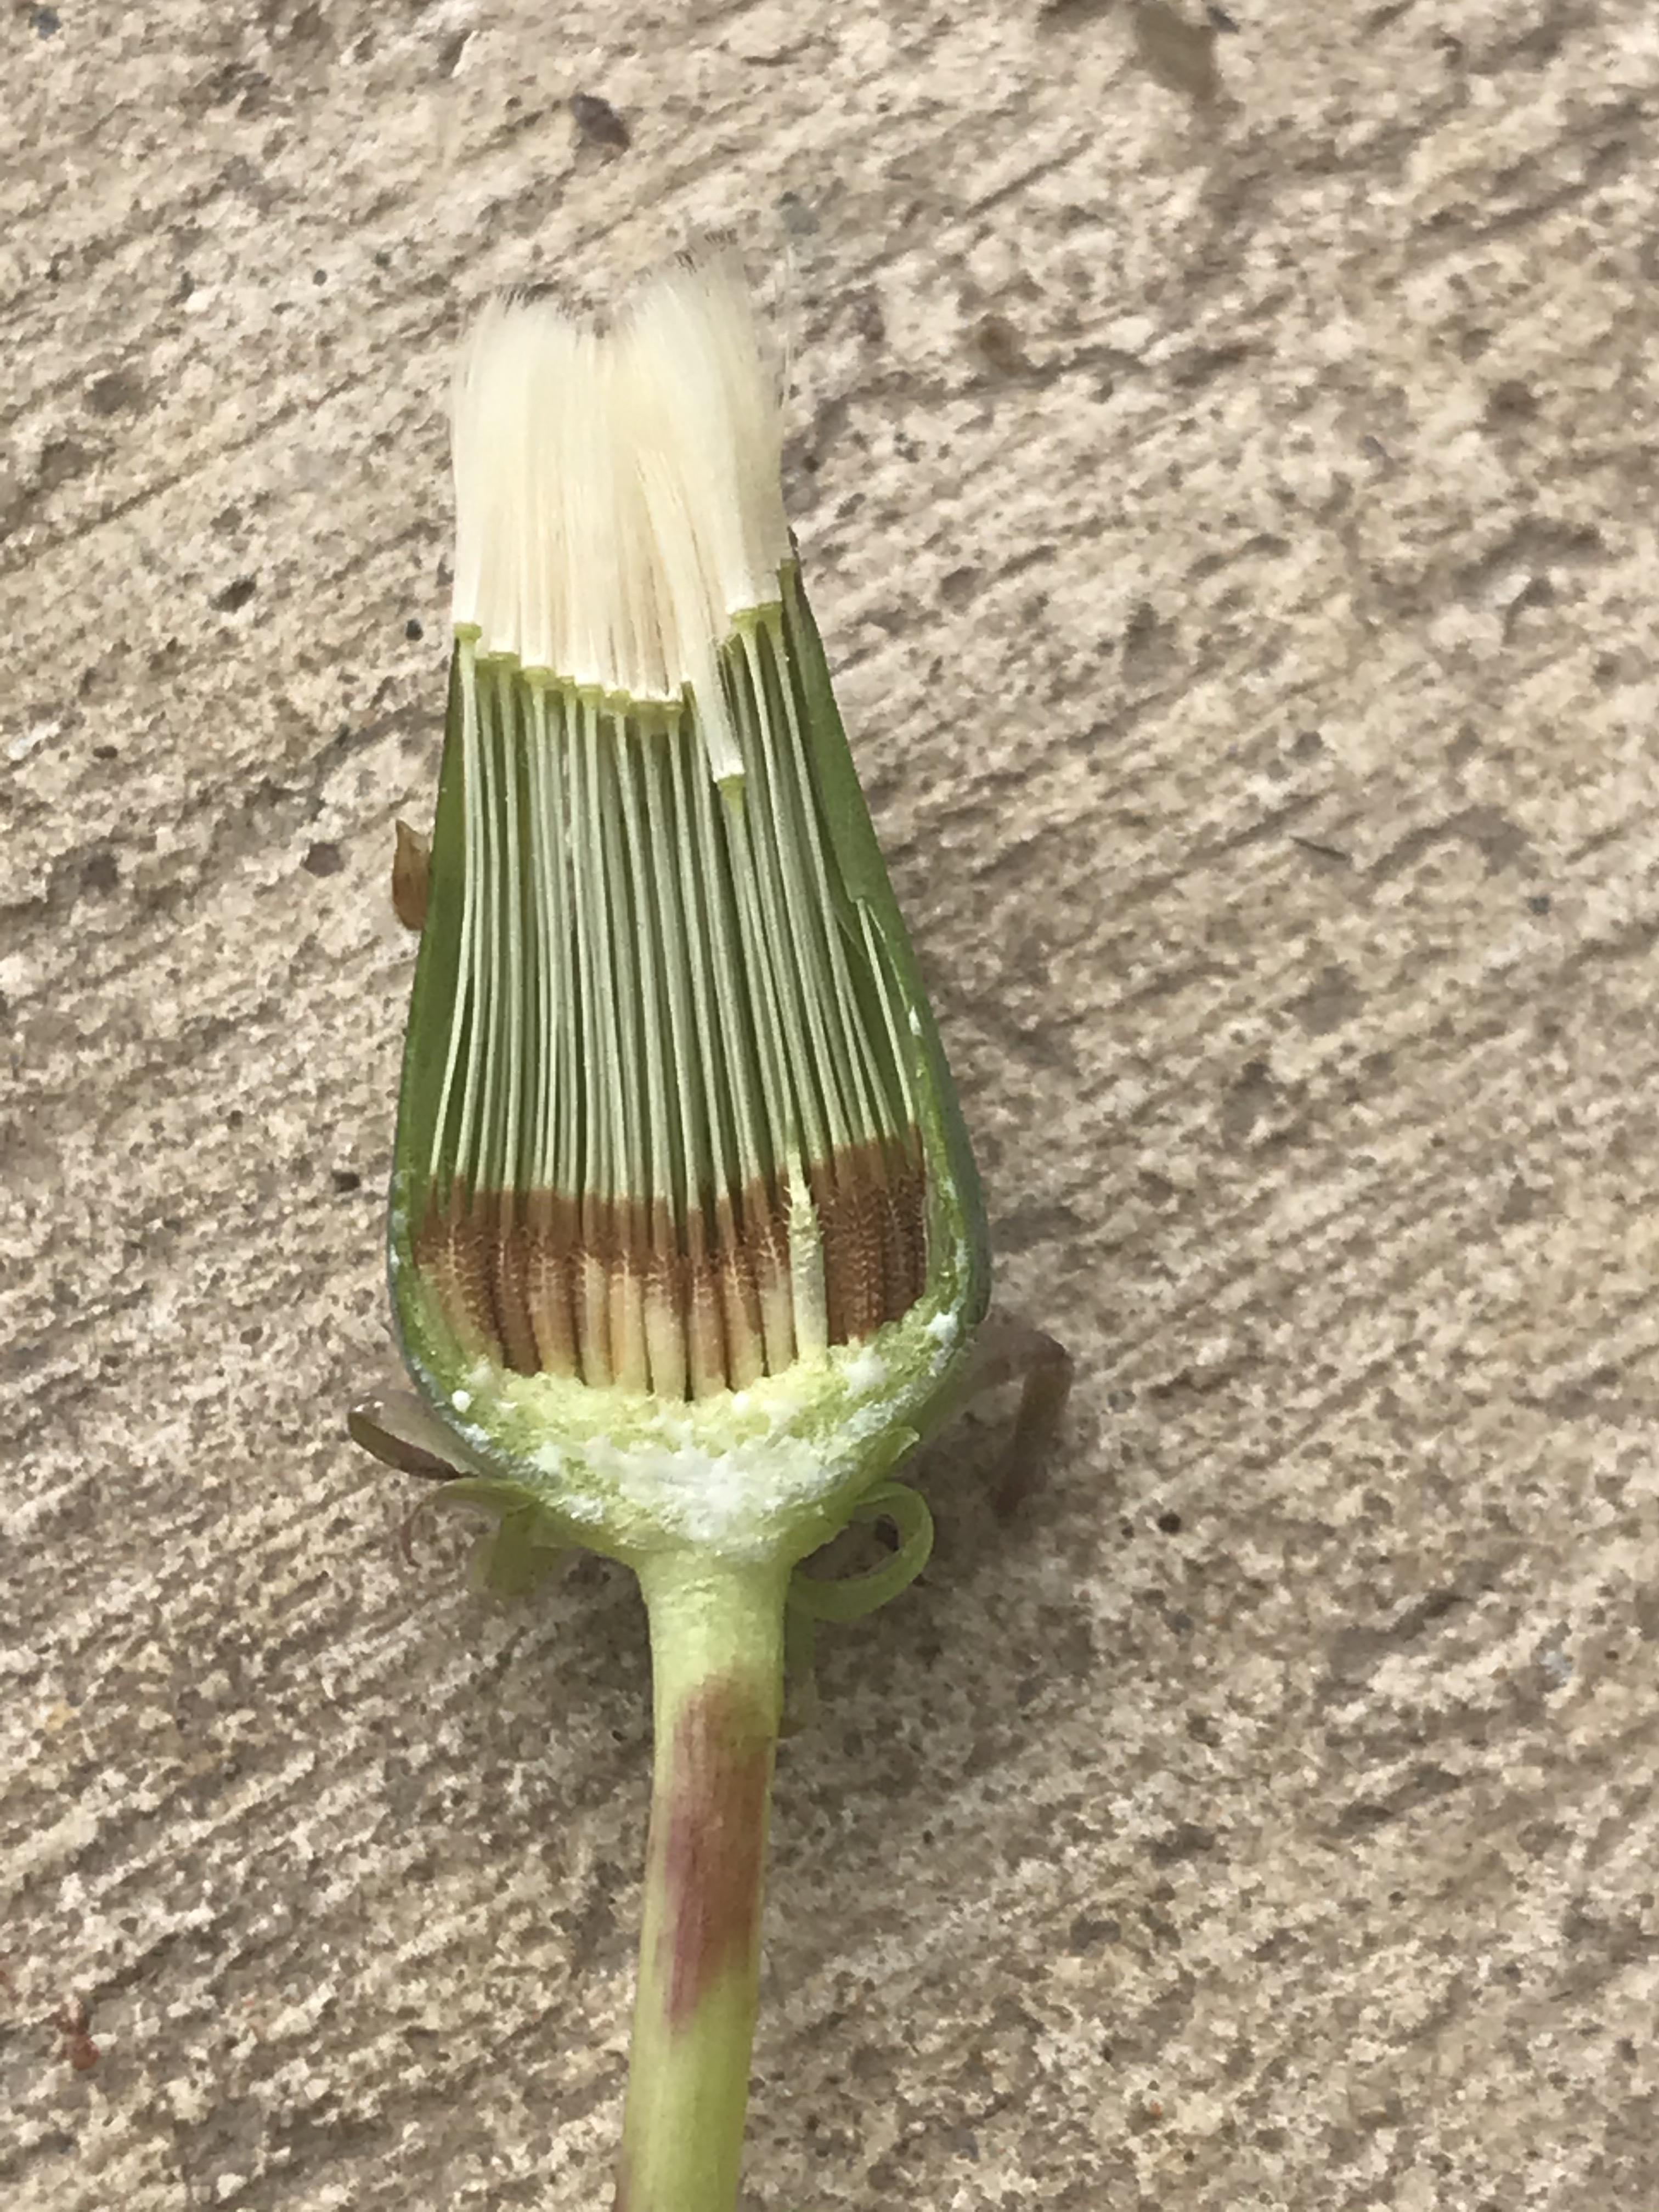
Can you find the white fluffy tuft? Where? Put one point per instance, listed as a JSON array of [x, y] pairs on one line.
[[617, 495]]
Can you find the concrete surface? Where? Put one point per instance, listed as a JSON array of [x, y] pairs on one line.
[[1225, 468]]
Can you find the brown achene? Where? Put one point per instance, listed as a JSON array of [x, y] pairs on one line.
[[620, 1292]]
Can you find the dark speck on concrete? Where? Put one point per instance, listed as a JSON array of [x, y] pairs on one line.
[[1186, 1840], [1332, 1000], [799, 219], [102, 872], [997, 343], [345, 1180], [1069, 15], [868, 320], [1250, 1100], [412, 630], [322, 860], [234, 595], [1511, 401], [46, 22], [1178, 55], [599, 121], [1539, 903], [1088, 1930], [1170, 1523], [62, 460], [115, 393]]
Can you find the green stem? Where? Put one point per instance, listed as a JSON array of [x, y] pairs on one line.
[[717, 1669]]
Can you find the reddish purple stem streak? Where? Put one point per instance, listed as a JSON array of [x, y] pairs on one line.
[[715, 1840]]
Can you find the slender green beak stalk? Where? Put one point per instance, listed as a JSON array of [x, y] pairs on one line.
[[686, 1242]]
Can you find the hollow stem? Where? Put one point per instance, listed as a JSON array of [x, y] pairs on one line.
[[717, 1669]]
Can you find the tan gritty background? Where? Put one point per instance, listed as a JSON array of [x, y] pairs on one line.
[[1224, 461]]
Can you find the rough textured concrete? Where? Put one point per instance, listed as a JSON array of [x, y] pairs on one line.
[[1225, 468]]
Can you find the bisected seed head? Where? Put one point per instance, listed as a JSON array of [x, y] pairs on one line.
[[686, 1233]]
